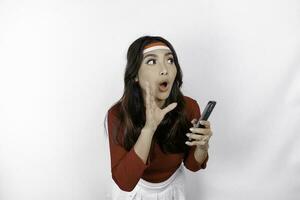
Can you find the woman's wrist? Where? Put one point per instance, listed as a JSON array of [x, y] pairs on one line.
[[148, 130], [203, 147], [200, 154]]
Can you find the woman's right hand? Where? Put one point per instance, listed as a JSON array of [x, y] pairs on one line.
[[154, 115]]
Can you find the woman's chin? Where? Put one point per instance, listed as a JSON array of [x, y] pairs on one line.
[[162, 96]]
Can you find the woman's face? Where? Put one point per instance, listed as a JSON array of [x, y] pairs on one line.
[[158, 68]]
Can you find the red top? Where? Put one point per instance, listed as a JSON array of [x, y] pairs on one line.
[[127, 167]]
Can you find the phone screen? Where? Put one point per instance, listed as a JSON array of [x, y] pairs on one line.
[[206, 113]]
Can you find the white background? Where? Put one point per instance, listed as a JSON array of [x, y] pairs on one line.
[[62, 66]]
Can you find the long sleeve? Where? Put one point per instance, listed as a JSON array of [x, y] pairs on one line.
[[189, 161], [126, 166]]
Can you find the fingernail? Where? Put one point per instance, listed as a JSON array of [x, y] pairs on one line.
[[191, 129], [187, 134]]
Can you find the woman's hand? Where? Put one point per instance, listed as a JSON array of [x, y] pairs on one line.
[[201, 136], [154, 115]]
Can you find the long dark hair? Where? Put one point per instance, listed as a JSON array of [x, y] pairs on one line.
[[131, 111]]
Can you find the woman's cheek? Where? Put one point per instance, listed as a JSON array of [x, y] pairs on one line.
[[174, 72]]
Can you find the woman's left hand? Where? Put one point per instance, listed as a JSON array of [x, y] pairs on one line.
[[201, 136]]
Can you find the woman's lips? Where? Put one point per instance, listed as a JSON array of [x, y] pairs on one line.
[[163, 87]]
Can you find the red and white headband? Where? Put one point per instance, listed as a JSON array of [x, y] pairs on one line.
[[154, 46]]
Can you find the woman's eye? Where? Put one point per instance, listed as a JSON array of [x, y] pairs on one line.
[[171, 60], [149, 62]]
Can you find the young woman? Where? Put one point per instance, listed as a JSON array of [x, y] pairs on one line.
[[149, 131]]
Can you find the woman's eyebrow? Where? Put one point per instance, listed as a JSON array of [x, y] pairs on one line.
[[154, 55], [169, 53], [150, 55]]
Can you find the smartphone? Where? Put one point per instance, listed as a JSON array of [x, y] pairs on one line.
[[206, 113]]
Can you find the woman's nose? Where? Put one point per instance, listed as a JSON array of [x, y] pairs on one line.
[[163, 70], [164, 73]]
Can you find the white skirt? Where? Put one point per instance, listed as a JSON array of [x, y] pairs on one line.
[[170, 189]]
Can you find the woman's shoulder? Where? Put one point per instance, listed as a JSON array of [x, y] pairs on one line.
[[114, 110], [190, 102], [192, 107]]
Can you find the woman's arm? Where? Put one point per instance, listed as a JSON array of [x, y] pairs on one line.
[[127, 167], [196, 159], [143, 144], [200, 155]]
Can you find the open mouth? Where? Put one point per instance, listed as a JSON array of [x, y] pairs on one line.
[[163, 86]]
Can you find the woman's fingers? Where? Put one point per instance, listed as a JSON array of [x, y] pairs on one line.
[[147, 95], [202, 131], [195, 142], [152, 96], [205, 123], [169, 108], [150, 103], [194, 122], [198, 137]]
